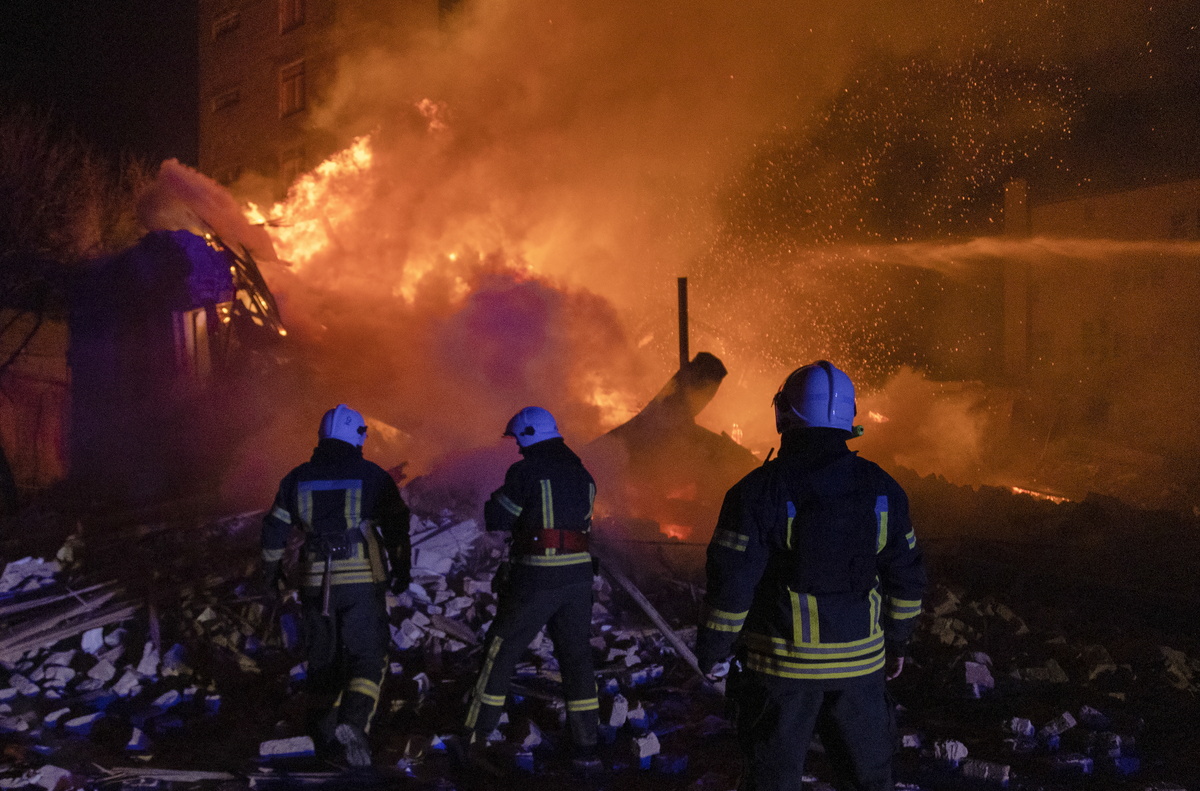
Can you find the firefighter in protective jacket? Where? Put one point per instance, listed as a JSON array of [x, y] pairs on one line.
[[356, 541], [814, 570], [546, 503]]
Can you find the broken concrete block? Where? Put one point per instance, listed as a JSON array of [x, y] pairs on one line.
[[299, 672], [116, 638], [287, 748], [28, 573], [128, 684], [1058, 726], [644, 749], [618, 713], [1019, 726], [977, 674], [7, 694], [148, 667], [83, 725], [57, 677], [912, 740], [138, 742], [13, 725], [1093, 718], [1021, 744], [166, 700], [943, 602], [637, 718], [1073, 763], [949, 751], [523, 761], [212, 703], [24, 686], [1107, 744], [173, 663], [986, 771], [51, 719], [1055, 672], [63, 658], [103, 671], [48, 777], [533, 738]]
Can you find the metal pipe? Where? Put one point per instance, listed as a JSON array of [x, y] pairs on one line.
[[684, 357]]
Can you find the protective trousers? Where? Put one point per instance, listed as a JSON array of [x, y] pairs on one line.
[[776, 718], [347, 656], [566, 612]]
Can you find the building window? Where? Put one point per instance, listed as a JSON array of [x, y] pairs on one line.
[[291, 89], [291, 14], [1178, 228], [227, 99], [225, 24], [291, 164], [229, 175]]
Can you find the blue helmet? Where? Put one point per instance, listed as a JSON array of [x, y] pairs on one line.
[[345, 424], [531, 425], [817, 395]]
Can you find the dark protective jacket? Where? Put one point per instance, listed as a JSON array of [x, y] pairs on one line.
[[813, 566], [349, 509], [548, 490]]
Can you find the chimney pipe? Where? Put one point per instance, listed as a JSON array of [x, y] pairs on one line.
[[684, 357]]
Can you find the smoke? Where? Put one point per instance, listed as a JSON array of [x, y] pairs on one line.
[[540, 170]]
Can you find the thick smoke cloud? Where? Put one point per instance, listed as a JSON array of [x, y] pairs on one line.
[[543, 169]]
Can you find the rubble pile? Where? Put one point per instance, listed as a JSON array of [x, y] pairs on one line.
[[149, 658], [992, 698]]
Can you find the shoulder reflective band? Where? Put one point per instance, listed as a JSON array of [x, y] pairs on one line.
[[881, 517], [730, 540], [508, 505], [281, 513], [902, 609], [723, 621]]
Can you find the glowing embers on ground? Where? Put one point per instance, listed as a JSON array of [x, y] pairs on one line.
[[1054, 498], [317, 204]]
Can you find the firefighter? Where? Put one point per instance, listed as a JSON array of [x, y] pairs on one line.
[[546, 504], [356, 541], [814, 572]]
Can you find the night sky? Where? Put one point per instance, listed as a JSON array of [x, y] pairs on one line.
[[124, 74], [120, 72]]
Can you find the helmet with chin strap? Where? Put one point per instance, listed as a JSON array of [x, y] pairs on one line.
[[818, 395], [531, 425], [345, 424]]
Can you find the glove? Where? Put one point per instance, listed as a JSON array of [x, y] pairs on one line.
[[401, 576]]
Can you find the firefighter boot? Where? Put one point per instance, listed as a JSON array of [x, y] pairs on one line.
[[354, 742]]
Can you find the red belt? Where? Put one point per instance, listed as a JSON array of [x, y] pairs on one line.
[[552, 542]]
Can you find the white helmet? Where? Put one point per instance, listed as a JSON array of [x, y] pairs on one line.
[[345, 424], [816, 395], [532, 425]]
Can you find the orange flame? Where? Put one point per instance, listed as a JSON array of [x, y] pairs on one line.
[[1054, 498], [317, 204], [678, 532]]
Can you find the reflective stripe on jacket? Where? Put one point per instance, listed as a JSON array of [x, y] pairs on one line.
[[813, 568]]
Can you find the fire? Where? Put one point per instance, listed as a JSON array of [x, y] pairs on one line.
[[615, 406], [1054, 498], [677, 532], [735, 433], [317, 205], [877, 417]]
